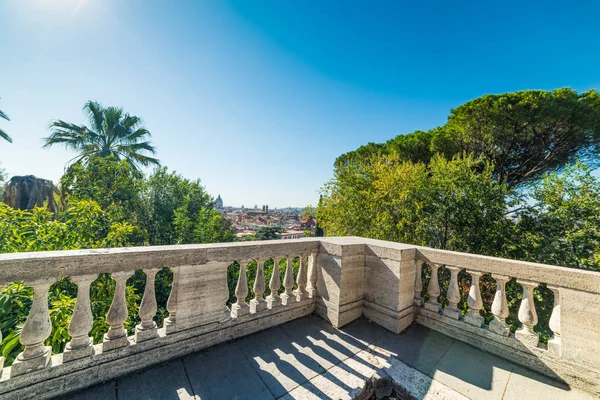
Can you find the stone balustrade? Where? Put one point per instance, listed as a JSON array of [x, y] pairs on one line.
[[338, 278]]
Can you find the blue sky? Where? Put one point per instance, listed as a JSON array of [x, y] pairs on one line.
[[258, 98]]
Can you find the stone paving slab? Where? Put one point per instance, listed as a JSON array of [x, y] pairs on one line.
[[472, 372], [418, 346], [221, 372], [281, 365], [166, 381], [309, 359], [539, 387]]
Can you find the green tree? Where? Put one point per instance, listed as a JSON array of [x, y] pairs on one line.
[[114, 184], [206, 226], [560, 227], [523, 134], [268, 232], [165, 193], [111, 132], [3, 134], [452, 204]]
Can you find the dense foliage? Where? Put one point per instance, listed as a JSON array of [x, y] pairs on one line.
[[508, 175], [523, 134]]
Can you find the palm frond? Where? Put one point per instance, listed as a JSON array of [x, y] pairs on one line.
[[5, 136], [95, 114], [4, 116]]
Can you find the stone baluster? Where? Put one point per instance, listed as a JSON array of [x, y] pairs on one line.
[[116, 336], [433, 290], [147, 330], [274, 300], [301, 293], [554, 344], [36, 330], [171, 320], [527, 315], [474, 301], [287, 297], [500, 307], [453, 294], [258, 303], [240, 307], [312, 276], [82, 321], [418, 300]]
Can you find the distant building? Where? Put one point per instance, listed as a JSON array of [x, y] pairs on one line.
[[219, 202]]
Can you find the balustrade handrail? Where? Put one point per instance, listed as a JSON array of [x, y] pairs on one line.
[[48, 265], [570, 278]]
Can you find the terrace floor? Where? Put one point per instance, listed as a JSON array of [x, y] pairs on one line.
[[309, 359]]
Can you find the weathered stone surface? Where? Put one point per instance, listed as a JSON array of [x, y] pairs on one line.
[[202, 294], [20, 367], [346, 278], [580, 327], [70, 355]]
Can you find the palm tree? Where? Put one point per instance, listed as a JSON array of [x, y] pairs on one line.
[[112, 132], [3, 134]]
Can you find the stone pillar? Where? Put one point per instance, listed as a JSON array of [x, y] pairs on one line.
[[288, 282], [500, 307], [258, 303], [240, 307], [82, 321], [579, 322], [418, 301], [301, 293], [389, 284], [527, 315], [453, 294], [171, 320], [36, 330], [201, 295], [116, 336], [340, 282], [474, 301], [273, 299], [554, 344], [433, 290], [147, 330]]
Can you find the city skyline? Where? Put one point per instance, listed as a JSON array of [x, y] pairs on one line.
[[258, 99]]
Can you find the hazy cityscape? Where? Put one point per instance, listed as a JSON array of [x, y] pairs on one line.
[[248, 221]]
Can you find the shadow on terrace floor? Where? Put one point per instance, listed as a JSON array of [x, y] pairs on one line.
[[307, 358]]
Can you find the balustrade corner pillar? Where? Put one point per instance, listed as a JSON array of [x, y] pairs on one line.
[[273, 299], [240, 307], [258, 303], [527, 315], [453, 294], [147, 330], [116, 337], [287, 297], [500, 307], [554, 344], [82, 321], [36, 330], [474, 301], [418, 300], [433, 290], [301, 280]]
